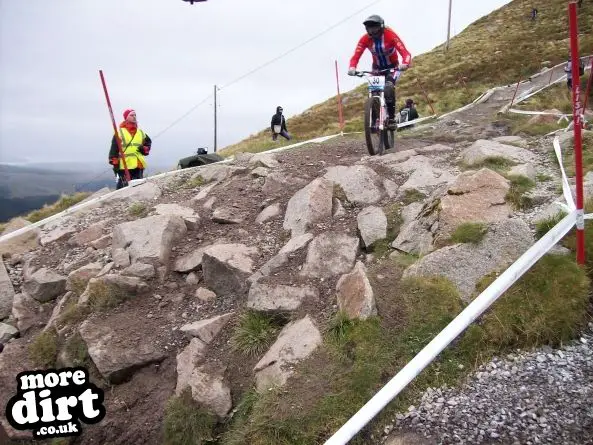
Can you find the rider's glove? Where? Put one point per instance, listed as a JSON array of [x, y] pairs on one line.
[[352, 71], [403, 66]]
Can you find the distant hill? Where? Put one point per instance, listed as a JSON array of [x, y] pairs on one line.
[[26, 188]]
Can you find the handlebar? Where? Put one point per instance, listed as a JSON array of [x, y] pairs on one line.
[[376, 72]]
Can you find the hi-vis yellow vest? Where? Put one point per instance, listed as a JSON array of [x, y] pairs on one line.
[[131, 148]]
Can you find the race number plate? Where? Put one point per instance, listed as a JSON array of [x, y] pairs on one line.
[[377, 83]]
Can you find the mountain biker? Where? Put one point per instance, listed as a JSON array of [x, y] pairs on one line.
[[384, 45]]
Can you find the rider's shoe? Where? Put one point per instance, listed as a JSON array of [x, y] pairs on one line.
[[392, 124]]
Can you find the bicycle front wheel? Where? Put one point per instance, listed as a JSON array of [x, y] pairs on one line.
[[373, 135]]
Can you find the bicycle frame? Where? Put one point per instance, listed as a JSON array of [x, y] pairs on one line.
[[376, 87]]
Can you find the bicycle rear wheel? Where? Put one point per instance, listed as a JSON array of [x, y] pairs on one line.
[[374, 136]]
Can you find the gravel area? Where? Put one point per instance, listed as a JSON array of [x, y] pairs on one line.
[[539, 397]]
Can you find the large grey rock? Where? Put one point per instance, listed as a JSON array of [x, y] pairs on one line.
[[226, 268], [190, 261], [330, 254], [6, 292], [140, 270], [413, 238], [527, 170], [550, 211], [483, 149], [55, 232], [310, 205], [208, 386], [204, 294], [207, 329], [217, 172], [474, 197], [268, 213], [79, 278], [296, 341], [264, 297], [203, 193], [276, 183], [227, 215], [115, 358], [127, 285], [191, 218], [88, 235], [434, 149], [45, 285], [423, 179], [7, 332], [372, 225], [121, 257], [267, 160], [147, 191], [27, 312], [149, 239], [355, 294], [412, 164], [290, 248], [360, 183], [466, 264]]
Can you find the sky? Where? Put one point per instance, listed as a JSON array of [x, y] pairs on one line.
[[163, 58]]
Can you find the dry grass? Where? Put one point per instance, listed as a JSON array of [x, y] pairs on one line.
[[62, 204]]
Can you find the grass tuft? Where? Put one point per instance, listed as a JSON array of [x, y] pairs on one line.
[[516, 195], [394, 221], [103, 296], [138, 209], [255, 333], [544, 226], [469, 233], [412, 195], [185, 423], [498, 164], [43, 350]]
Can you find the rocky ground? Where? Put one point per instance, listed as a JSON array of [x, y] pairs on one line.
[[152, 282]]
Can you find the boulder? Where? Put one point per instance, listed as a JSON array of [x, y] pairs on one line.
[[45, 285], [264, 297], [360, 183], [6, 292], [207, 329], [115, 359], [149, 239], [296, 341], [310, 205], [226, 268], [372, 225], [355, 294], [330, 254]]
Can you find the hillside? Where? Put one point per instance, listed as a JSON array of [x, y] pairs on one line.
[[263, 301], [497, 49]]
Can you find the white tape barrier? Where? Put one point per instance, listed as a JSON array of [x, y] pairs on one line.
[[452, 331], [566, 190], [416, 121], [538, 113]]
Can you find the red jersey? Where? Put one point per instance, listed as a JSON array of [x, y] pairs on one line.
[[384, 50]]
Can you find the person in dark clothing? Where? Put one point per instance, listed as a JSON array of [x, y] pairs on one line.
[[278, 125], [135, 145], [580, 3], [568, 71], [408, 112], [534, 13]]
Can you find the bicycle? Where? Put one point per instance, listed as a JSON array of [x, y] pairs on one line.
[[376, 117]]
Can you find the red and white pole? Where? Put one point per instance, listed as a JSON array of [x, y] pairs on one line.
[[577, 115], [117, 138], [340, 113]]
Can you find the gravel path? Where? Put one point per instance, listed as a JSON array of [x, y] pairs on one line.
[[539, 397]]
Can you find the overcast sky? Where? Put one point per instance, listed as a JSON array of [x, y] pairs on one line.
[[163, 57]]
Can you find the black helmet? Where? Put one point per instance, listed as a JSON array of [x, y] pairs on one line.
[[374, 20], [374, 26]]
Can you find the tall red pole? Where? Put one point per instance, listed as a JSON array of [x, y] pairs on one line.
[[577, 116], [117, 138], [588, 86], [340, 114]]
